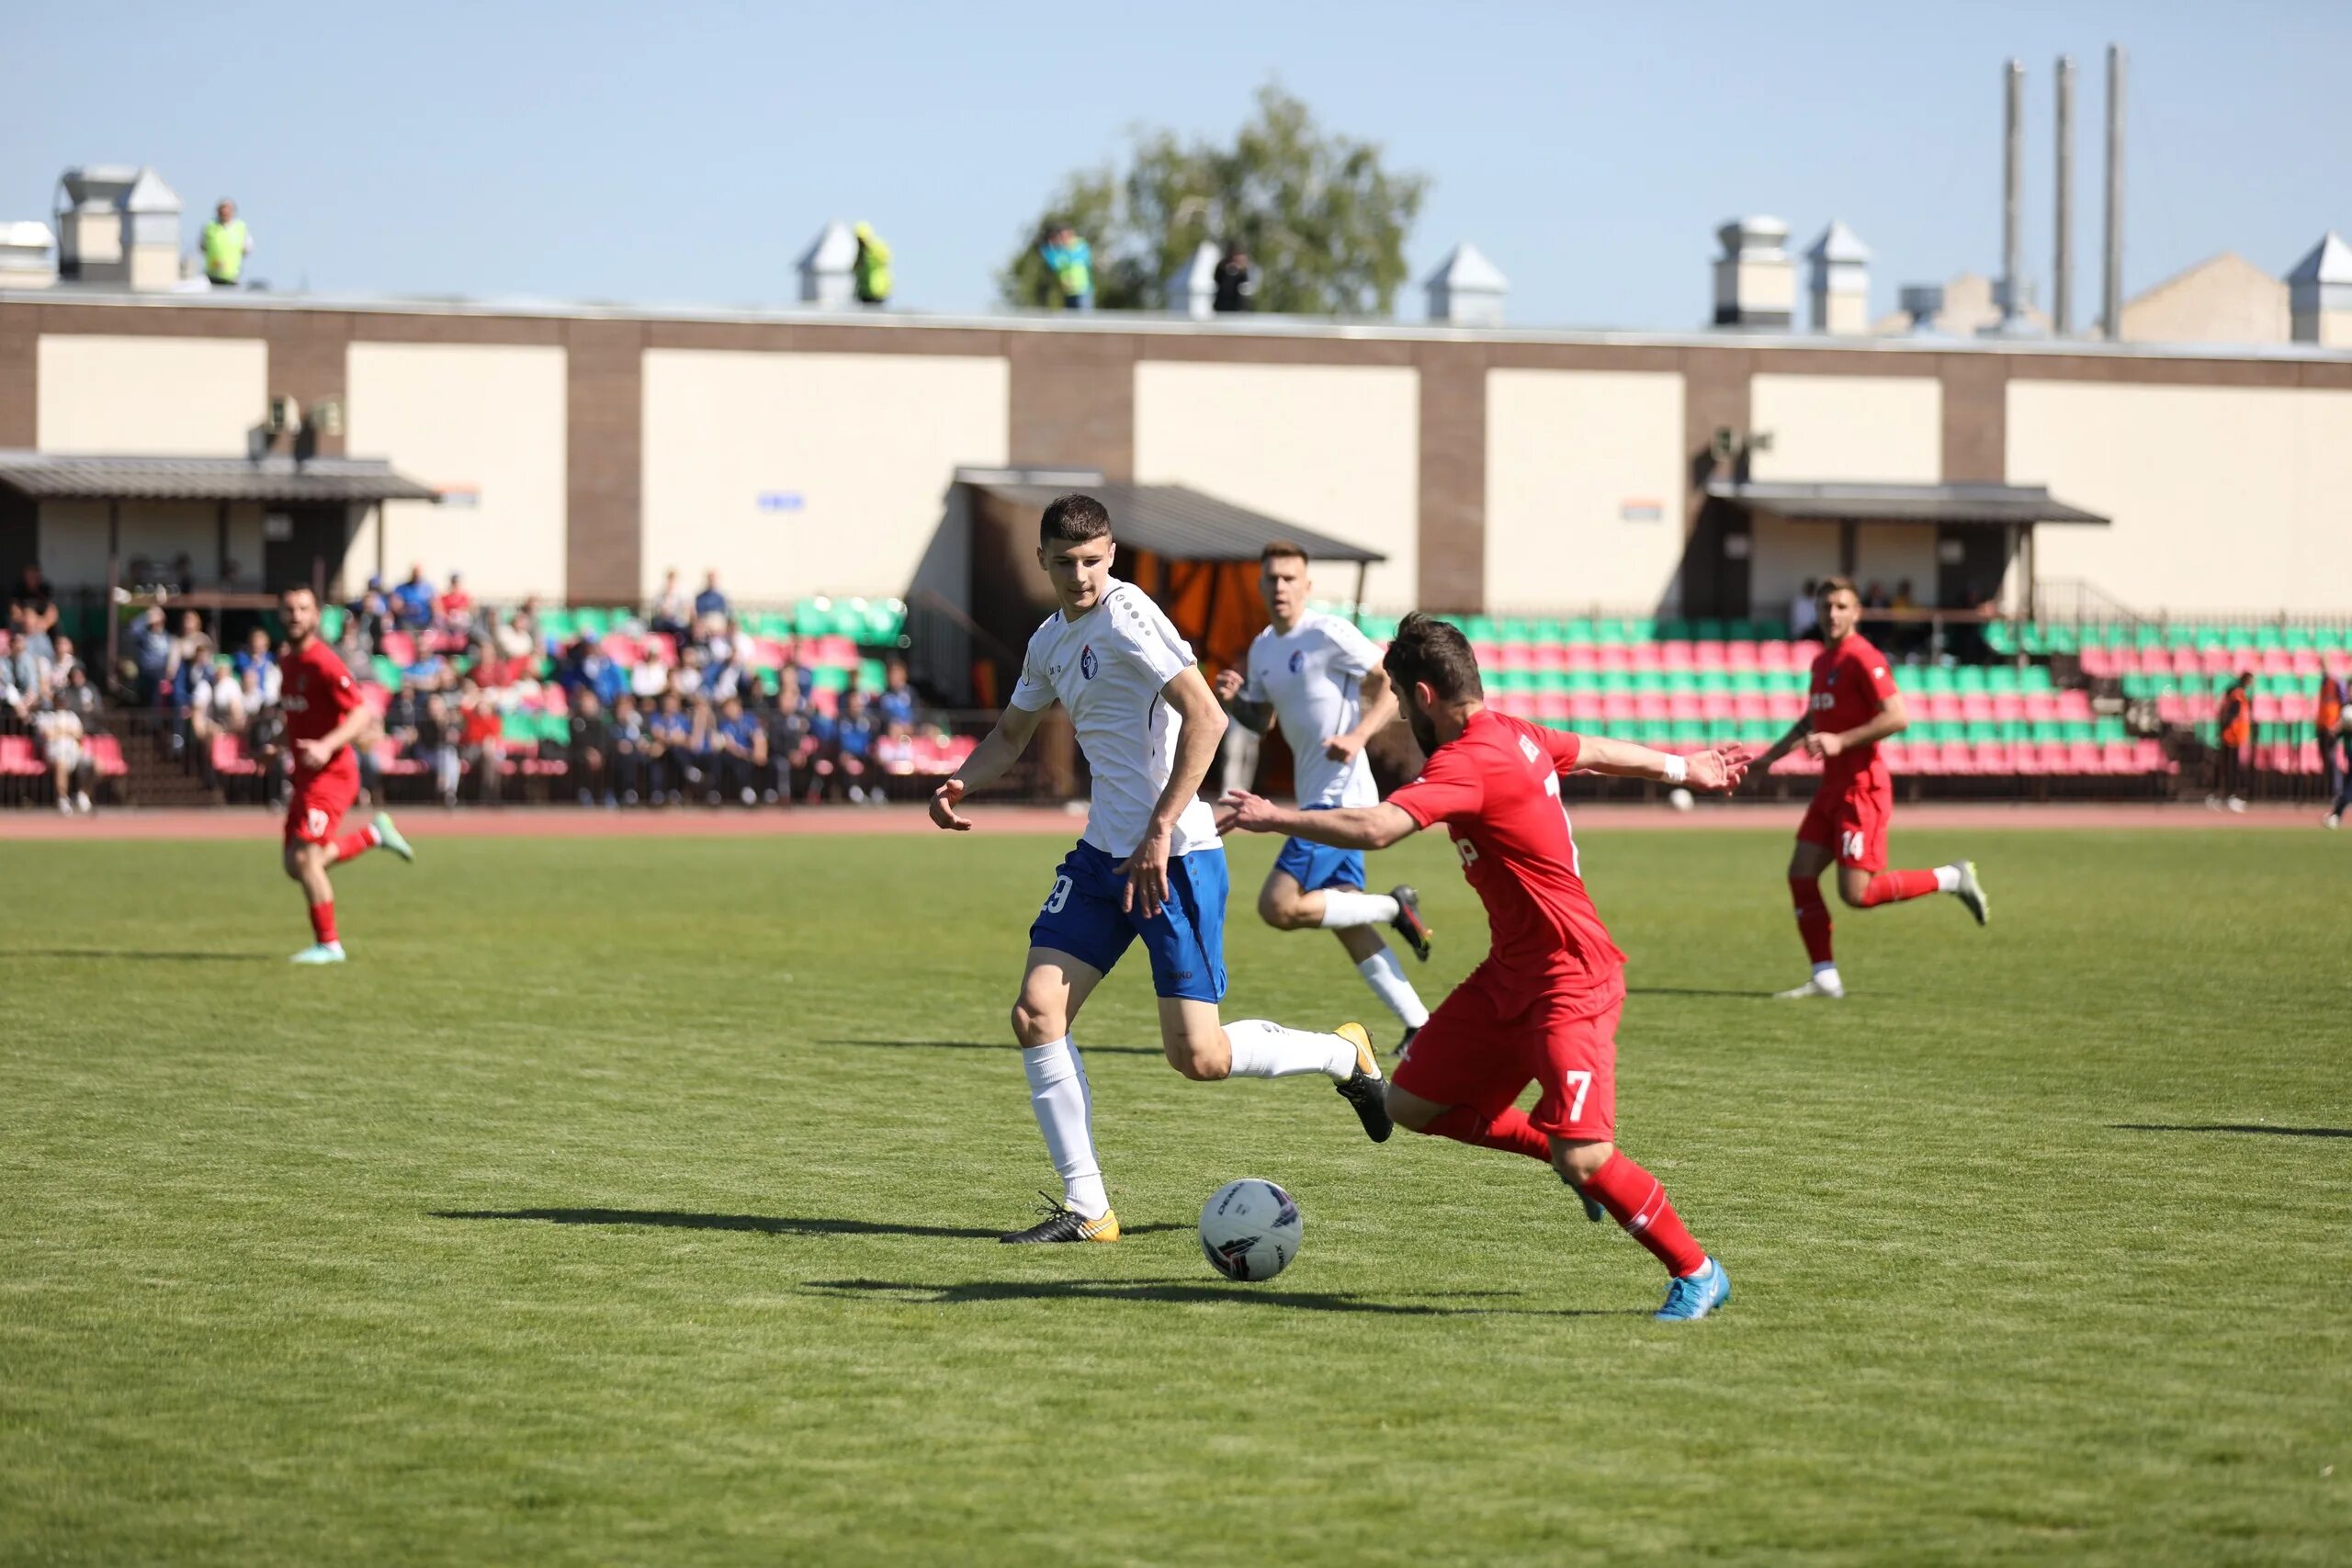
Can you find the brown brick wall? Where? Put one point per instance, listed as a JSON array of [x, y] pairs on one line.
[[603, 434]]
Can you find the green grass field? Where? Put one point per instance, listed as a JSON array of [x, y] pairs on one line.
[[634, 1202]]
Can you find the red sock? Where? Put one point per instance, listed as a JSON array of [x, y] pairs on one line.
[[1812, 919], [1508, 1130], [1636, 1202], [1894, 886], [359, 841], [322, 922]]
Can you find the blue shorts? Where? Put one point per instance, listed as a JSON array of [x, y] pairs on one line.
[[1082, 918], [1317, 866]]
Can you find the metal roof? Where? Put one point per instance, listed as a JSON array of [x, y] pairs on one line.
[[1169, 519], [1983, 504], [64, 476]]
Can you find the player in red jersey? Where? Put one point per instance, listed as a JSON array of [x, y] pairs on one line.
[[1853, 707], [324, 716], [1543, 1007]]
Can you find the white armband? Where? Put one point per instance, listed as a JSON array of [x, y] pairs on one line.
[[1676, 769]]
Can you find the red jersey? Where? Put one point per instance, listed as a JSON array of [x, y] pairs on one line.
[[317, 693], [1497, 788], [1850, 684]]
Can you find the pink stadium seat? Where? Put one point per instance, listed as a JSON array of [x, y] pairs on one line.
[[1674, 654], [2051, 757], [1613, 657], [622, 649], [1650, 707], [1994, 757], [2222, 661], [2102, 664], [1753, 706], [2276, 661], [2074, 707], [1551, 656], [1550, 705], [2082, 757], [2008, 707], [376, 697], [2040, 707], [1716, 707], [2148, 757], [228, 758], [16, 756], [668, 645], [1750, 656], [2272, 710], [1976, 707], [1512, 656], [1489, 654], [400, 648], [832, 653], [1617, 707], [1684, 707], [2306, 663], [1706, 656], [2185, 662], [106, 755], [1645, 656]]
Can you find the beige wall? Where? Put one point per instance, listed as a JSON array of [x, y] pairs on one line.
[[73, 540], [2222, 498], [156, 396], [491, 417], [2226, 299], [1849, 428], [1333, 449], [856, 451], [1566, 451]]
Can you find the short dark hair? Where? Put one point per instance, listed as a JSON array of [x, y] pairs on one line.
[[1428, 649], [1073, 519], [288, 592], [1837, 585], [1283, 550]]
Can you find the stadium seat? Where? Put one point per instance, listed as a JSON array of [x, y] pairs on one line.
[[17, 758]]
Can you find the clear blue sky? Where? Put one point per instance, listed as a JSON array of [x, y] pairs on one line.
[[687, 153]]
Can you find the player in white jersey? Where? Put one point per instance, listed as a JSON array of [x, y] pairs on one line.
[[1148, 865], [1320, 678]]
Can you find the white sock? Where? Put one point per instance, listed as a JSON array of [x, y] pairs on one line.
[[1385, 975], [1264, 1050], [1948, 878], [1342, 909], [1064, 1104], [1826, 973]]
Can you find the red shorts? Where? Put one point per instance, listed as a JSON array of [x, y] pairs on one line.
[[320, 800], [1470, 1053], [1849, 820]]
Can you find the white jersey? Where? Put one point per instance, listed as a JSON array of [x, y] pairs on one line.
[[1109, 667], [1313, 674]]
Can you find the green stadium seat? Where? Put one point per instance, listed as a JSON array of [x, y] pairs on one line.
[[592, 622], [330, 619], [832, 678], [2002, 638], [387, 674]]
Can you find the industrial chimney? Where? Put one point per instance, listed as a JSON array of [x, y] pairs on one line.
[[1840, 282], [2111, 265], [2062, 282]]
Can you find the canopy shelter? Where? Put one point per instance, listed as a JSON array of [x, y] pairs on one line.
[[1195, 554], [87, 518], [1980, 529]]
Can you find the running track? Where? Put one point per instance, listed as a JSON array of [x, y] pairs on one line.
[[576, 822]]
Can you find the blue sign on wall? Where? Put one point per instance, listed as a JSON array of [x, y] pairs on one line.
[[781, 501]]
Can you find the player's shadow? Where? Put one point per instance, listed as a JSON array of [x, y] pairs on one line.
[[765, 1224], [1006, 1046], [2256, 1128], [144, 956], [1187, 1292]]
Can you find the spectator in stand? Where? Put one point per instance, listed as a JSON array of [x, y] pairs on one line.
[[630, 751], [482, 739], [371, 612], [65, 663], [894, 750], [742, 747], [589, 751], [80, 695], [218, 708], [854, 748], [703, 753], [710, 608], [257, 654], [194, 645], [226, 243], [724, 677], [265, 744], [438, 733], [1236, 281], [1071, 261], [413, 603], [669, 734], [456, 608], [2234, 720], [14, 706], [787, 726], [652, 677], [150, 655], [897, 703], [672, 612], [39, 606], [2327, 723], [687, 678], [59, 729]]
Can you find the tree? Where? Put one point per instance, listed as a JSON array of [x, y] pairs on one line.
[[1321, 216]]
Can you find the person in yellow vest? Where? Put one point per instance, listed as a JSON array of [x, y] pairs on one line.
[[873, 267], [226, 245]]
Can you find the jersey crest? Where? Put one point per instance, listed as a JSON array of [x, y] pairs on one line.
[[1086, 663]]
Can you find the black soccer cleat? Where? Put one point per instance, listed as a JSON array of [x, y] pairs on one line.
[[1407, 1043], [1063, 1223], [1408, 923], [1365, 1088]]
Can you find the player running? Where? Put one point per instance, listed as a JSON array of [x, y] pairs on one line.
[[1853, 707], [1321, 678], [324, 716], [1148, 865], [1543, 1005]]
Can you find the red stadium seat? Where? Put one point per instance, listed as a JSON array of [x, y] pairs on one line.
[[106, 755], [228, 758], [622, 649], [400, 648], [17, 759]]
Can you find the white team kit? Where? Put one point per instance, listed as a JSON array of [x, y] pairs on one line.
[[1111, 668], [1312, 676]]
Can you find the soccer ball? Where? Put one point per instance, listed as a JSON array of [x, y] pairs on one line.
[[1249, 1229], [1679, 798]]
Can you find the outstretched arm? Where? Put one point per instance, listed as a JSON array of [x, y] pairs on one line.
[[1780, 747], [1252, 716], [1353, 828], [1720, 769], [986, 764]]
